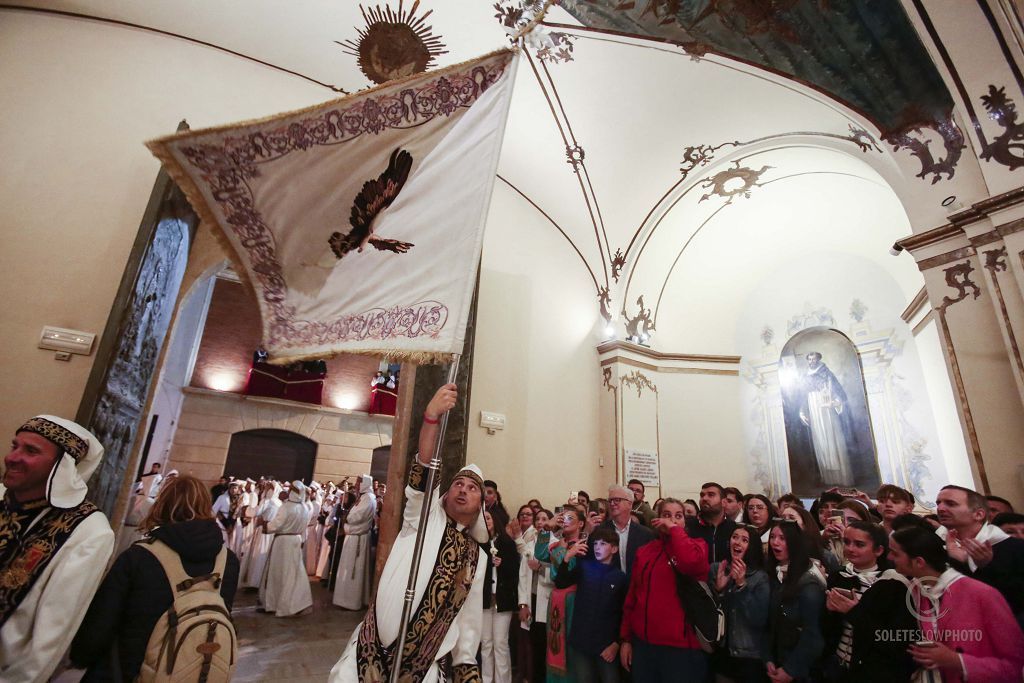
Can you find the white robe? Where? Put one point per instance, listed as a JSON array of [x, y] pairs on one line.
[[312, 543], [37, 634], [251, 571], [285, 587], [463, 637], [352, 588]]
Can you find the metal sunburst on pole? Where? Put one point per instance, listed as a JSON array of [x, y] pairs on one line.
[[432, 469]]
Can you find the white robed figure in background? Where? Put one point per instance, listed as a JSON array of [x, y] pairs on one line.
[[314, 529], [250, 502], [355, 571], [251, 571], [327, 509], [823, 414], [448, 597], [145, 495], [285, 587]]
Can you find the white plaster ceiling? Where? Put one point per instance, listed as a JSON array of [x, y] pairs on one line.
[[633, 107]]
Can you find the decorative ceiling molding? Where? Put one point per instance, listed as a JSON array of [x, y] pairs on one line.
[[169, 34], [916, 305], [638, 381], [641, 325], [618, 345]]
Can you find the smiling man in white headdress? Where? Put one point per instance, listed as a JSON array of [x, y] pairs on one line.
[[54, 545], [285, 587], [448, 600]]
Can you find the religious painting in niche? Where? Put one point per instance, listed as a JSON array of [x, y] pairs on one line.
[[828, 428]]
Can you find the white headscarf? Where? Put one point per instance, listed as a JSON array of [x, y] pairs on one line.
[[478, 531], [80, 455], [297, 492]]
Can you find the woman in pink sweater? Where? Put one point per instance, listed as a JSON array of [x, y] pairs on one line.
[[967, 631]]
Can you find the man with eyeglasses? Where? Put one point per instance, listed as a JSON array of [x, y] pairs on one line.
[[631, 534]]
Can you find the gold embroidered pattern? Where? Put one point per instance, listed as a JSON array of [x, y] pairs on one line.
[[24, 556], [466, 673], [418, 475], [447, 590], [70, 442]]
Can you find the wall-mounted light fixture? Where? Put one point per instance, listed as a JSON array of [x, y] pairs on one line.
[[66, 341]]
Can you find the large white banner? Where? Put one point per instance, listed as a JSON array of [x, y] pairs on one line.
[[358, 222]]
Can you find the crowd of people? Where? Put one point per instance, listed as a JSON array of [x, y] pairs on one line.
[[839, 588], [728, 587]]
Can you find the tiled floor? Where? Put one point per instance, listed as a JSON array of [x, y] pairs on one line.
[[298, 649]]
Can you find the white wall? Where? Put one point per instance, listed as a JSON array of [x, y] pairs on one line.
[[79, 100], [535, 361]]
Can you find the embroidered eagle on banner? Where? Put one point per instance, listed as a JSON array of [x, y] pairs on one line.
[[376, 195]]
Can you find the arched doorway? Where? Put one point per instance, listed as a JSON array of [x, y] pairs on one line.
[[828, 428], [272, 453]]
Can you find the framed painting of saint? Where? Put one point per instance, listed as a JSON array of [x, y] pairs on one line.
[[828, 427]]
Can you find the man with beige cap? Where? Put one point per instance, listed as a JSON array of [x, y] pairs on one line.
[[54, 545], [448, 601]]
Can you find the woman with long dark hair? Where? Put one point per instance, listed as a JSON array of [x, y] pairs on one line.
[[744, 592], [136, 591], [795, 642], [501, 581], [865, 597], [758, 512]]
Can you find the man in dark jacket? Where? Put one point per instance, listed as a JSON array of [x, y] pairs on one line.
[[631, 535], [713, 525]]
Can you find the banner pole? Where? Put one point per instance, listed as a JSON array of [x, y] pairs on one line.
[[432, 472]]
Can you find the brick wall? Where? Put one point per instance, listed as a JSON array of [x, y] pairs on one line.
[[233, 332]]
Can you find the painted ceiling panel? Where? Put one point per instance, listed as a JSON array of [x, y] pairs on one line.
[[865, 53]]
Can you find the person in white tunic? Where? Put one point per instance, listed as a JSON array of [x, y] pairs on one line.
[[54, 545], [352, 588], [448, 596], [251, 572], [250, 502], [313, 527], [285, 587]]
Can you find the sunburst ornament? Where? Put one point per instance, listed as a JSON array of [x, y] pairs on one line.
[[394, 44]]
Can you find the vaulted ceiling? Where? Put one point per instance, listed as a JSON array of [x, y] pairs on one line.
[[672, 144]]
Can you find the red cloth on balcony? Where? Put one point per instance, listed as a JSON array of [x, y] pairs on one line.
[[383, 401], [288, 382]]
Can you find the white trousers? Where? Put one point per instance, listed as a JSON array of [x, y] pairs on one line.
[[497, 663]]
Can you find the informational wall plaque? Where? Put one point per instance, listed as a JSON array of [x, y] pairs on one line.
[[643, 465]]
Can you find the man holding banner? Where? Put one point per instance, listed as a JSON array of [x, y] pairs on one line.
[[358, 224], [449, 584]]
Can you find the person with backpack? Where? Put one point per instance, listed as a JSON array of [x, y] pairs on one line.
[[182, 566]]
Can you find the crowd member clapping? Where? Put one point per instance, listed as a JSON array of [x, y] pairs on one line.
[[657, 642], [744, 591]]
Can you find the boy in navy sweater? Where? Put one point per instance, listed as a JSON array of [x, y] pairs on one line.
[[601, 589]]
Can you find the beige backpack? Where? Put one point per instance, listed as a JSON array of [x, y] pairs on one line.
[[194, 640]]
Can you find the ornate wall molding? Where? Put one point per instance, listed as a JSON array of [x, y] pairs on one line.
[[958, 277], [639, 381]]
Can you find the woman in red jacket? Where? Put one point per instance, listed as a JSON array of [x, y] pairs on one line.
[[657, 642]]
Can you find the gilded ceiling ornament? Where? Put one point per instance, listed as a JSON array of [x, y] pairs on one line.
[[604, 299], [574, 156], [618, 261], [1008, 147], [959, 278], [640, 326], [953, 142], [733, 182], [394, 44], [549, 46]]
